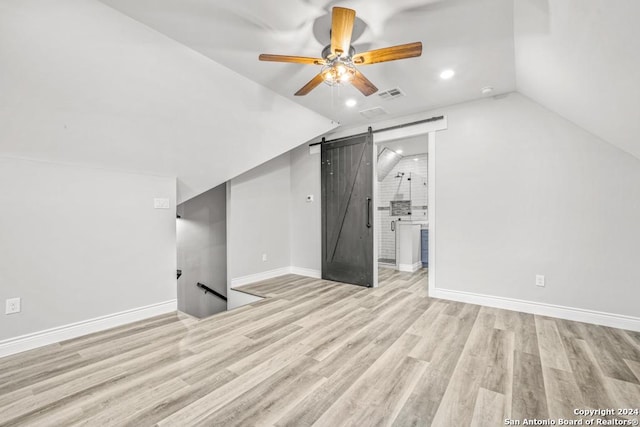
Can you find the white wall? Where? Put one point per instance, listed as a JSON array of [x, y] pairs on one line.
[[268, 214], [306, 217], [202, 252], [258, 219], [80, 243], [522, 191]]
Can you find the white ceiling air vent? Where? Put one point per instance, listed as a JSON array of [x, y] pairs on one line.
[[374, 112], [394, 93]]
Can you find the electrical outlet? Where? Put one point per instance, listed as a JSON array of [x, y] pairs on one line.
[[540, 280], [264, 257], [13, 306]]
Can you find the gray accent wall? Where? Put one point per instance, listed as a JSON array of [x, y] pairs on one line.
[[202, 252], [78, 243]]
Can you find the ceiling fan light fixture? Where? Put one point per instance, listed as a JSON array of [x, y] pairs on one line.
[[338, 57], [338, 72]]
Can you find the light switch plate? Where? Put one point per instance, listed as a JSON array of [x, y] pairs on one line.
[[161, 203]]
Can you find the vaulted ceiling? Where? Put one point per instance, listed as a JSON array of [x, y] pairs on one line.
[[83, 84], [579, 58], [175, 87], [472, 37]]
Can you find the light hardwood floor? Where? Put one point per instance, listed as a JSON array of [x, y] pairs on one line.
[[322, 353]]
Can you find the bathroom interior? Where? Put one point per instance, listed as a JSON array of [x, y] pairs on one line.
[[403, 226]]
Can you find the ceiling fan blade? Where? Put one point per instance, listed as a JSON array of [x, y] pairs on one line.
[[342, 20], [287, 58], [363, 84], [311, 85], [403, 51]]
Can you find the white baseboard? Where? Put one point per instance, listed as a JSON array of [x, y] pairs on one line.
[[308, 272], [570, 313], [410, 268], [385, 265], [258, 277], [74, 330]]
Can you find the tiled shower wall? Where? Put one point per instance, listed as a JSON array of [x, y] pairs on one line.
[[392, 188]]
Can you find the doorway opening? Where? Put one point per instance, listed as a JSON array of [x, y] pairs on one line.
[[201, 233], [424, 132], [402, 204], [421, 139]]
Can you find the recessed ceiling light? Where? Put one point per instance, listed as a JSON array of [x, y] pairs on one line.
[[399, 151], [350, 102], [415, 160], [447, 74], [486, 90]]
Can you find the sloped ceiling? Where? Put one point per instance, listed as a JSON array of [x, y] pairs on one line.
[[472, 37], [174, 87], [578, 58], [581, 59], [83, 84]]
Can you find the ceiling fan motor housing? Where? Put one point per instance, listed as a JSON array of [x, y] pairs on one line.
[[326, 52]]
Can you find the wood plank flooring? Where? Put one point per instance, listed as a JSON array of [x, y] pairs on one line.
[[322, 353]]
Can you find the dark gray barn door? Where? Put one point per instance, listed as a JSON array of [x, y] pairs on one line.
[[347, 210]]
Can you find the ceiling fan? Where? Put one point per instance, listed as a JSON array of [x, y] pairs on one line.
[[339, 59]]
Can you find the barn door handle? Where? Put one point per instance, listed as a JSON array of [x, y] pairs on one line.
[[393, 226], [368, 212]]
